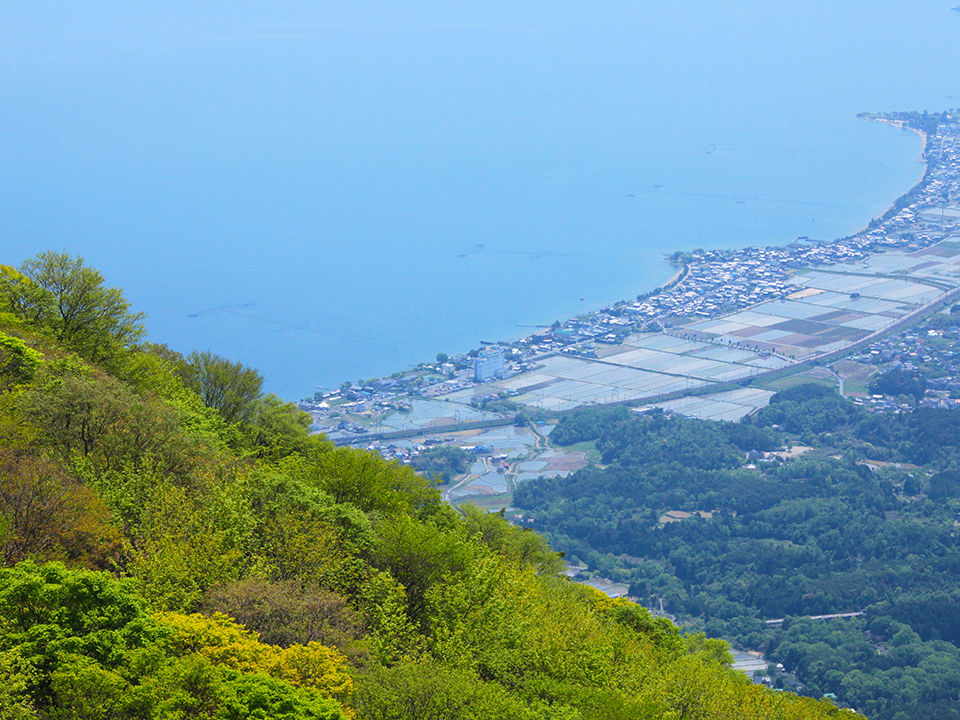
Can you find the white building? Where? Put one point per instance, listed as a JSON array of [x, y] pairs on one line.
[[488, 364]]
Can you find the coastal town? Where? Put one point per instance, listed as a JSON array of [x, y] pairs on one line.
[[709, 285]]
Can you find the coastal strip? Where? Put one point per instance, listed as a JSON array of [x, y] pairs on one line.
[[717, 320]]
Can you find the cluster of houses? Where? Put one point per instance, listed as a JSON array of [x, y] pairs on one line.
[[405, 453], [926, 214], [920, 351], [608, 326], [719, 282]]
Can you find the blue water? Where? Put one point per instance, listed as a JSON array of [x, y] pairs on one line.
[[341, 190]]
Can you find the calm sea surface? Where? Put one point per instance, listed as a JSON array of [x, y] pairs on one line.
[[332, 191]]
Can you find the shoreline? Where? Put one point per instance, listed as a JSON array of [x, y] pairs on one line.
[[892, 208], [804, 254], [677, 276]]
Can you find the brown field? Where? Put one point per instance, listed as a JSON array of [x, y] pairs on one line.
[[847, 334], [566, 463], [679, 515], [805, 341], [800, 294], [795, 451], [441, 422], [943, 249], [854, 371], [837, 317], [749, 332]]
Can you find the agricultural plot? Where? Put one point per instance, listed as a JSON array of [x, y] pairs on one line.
[[889, 263], [562, 383], [725, 354], [729, 406], [514, 455], [855, 371], [780, 310], [832, 309], [948, 248], [433, 414]]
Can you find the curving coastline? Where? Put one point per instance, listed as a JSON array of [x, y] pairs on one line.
[[904, 125], [710, 284]]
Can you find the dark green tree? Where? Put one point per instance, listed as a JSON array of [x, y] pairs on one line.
[[898, 382]]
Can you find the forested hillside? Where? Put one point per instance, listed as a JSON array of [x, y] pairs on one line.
[[175, 545], [858, 512]]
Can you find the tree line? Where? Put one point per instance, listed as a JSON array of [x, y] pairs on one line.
[[729, 530]]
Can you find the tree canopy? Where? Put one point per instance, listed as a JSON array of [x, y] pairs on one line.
[[728, 529], [175, 544], [61, 295]]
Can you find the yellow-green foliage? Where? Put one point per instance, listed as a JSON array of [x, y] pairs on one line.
[[300, 546], [392, 635], [227, 643], [521, 544], [154, 375], [16, 676], [540, 638], [373, 485], [18, 362], [188, 499], [181, 551]]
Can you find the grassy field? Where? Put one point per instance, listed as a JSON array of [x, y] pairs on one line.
[[490, 503], [855, 389], [588, 448]]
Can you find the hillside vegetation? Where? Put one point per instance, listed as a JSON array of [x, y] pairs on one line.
[[176, 545], [712, 518]]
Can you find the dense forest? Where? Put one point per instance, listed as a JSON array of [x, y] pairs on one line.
[[176, 545], [814, 506]]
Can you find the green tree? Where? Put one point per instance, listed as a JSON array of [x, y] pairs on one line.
[[59, 293], [279, 428], [95, 417], [420, 556], [18, 362], [519, 544], [373, 484], [228, 387], [443, 460], [430, 690]]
